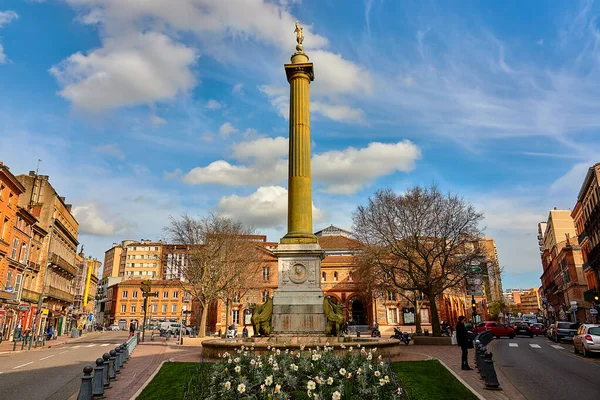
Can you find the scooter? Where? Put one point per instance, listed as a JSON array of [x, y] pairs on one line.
[[375, 332], [404, 337]]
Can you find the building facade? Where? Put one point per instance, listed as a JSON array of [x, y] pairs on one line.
[[112, 261], [141, 259]]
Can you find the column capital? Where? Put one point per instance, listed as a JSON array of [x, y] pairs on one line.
[[292, 70]]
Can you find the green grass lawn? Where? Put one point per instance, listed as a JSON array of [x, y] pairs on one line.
[[422, 380], [430, 380]]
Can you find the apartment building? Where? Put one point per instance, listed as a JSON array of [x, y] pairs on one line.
[[141, 259]]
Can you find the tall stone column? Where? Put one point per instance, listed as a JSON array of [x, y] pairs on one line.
[[299, 75], [298, 300]]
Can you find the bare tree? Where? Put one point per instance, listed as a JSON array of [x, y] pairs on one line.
[[420, 241], [218, 257]]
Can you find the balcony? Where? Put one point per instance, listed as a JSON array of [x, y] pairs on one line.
[[34, 266], [581, 237], [63, 264], [60, 294], [30, 296]]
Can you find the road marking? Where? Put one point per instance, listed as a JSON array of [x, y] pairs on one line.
[[513, 345], [557, 347], [91, 345], [45, 358], [64, 352], [74, 347], [535, 346], [22, 365], [105, 344]]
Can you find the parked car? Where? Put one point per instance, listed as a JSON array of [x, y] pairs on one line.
[[587, 339], [496, 328], [564, 331], [538, 329], [523, 328]]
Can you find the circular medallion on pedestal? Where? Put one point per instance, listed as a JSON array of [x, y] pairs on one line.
[[298, 273]]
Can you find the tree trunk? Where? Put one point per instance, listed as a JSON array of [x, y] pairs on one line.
[[204, 317], [417, 304], [435, 318], [227, 312]]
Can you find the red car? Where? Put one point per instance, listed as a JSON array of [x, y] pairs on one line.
[[496, 328], [538, 329]]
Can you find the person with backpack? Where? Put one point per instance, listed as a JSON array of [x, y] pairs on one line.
[[462, 338]]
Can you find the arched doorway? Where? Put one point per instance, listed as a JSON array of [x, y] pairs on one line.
[[359, 316]]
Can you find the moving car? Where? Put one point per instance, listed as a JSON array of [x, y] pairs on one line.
[[564, 331], [587, 339], [523, 328], [497, 329], [538, 329]]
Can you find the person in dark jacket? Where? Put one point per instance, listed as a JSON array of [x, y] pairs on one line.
[[462, 338]]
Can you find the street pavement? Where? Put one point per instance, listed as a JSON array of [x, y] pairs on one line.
[[54, 373], [542, 369]]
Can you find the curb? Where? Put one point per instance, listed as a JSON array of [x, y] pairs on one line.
[[47, 346], [461, 380], [141, 389]]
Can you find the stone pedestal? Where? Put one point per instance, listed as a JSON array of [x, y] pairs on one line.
[[298, 301]]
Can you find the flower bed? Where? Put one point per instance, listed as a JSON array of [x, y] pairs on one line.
[[309, 373]]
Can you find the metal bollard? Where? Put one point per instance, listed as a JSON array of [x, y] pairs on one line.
[[105, 378], [125, 352], [85, 392], [112, 371], [98, 379], [117, 360], [491, 379], [123, 355]]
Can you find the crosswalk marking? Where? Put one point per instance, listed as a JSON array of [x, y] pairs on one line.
[[557, 347], [513, 345], [91, 345], [535, 346], [105, 344]]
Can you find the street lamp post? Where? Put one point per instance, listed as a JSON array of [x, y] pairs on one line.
[[146, 288]]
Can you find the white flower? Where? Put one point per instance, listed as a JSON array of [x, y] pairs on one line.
[[377, 374], [237, 369], [252, 362], [399, 391], [382, 382], [350, 349], [227, 385], [387, 379], [241, 388], [275, 368], [302, 347], [379, 357], [330, 381], [269, 380], [336, 395], [343, 371], [360, 371], [316, 357], [294, 367], [349, 376], [259, 365], [263, 388], [229, 361], [311, 385], [277, 388], [343, 346], [370, 357], [269, 347]]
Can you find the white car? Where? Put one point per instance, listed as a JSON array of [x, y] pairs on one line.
[[587, 339]]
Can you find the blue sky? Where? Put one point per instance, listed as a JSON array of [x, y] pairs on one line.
[[140, 111]]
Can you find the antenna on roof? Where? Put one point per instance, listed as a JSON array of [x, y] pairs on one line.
[[37, 169]]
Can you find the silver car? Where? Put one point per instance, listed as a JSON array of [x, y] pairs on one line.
[[587, 339]]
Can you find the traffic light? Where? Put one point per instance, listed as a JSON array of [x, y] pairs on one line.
[[473, 304]]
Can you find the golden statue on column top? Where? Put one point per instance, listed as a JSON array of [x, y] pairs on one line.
[[299, 35]]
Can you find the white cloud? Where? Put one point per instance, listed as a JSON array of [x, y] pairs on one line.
[[279, 97], [91, 222], [261, 149], [111, 150], [128, 70], [265, 208], [341, 113], [338, 75], [5, 18], [571, 181], [213, 104], [175, 174], [351, 169], [226, 130], [238, 88], [344, 172], [156, 120]]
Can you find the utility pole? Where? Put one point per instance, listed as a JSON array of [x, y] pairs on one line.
[[146, 287]]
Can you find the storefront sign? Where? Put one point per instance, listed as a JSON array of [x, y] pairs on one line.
[[45, 312], [24, 308]]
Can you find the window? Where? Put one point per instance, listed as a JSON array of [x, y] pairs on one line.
[[10, 196], [236, 297], [135, 249], [9, 279], [4, 225], [1, 191], [166, 294], [235, 317], [123, 308], [265, 296], [156, 249], [134, 294], [164, 308], [132, 265], [335, 276], [124, 294], [173, 308], [14, 249], [175, 294], [392, 316], [133, 308], [265, 273], [323, 276], [391, 296], [350, 276], [23, 258], [566, 276]]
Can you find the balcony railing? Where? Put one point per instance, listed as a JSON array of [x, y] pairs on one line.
[[34, 266], [60, 294], [30, 296], [63, 264]]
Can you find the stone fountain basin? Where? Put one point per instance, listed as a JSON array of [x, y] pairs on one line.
[[212, 349]]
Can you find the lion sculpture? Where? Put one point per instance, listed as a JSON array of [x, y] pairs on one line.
[[335, 317], [261, 318]]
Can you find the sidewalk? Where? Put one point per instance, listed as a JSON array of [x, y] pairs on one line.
[[7, 347], [450, 356]]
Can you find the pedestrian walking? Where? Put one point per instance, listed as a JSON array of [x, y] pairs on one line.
[[131, 329], [462, 338], [50, 332]]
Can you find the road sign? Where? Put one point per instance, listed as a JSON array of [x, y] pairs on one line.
[[24, 308], [593, 311], [474, 293], [474, 281], [45, 312]]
